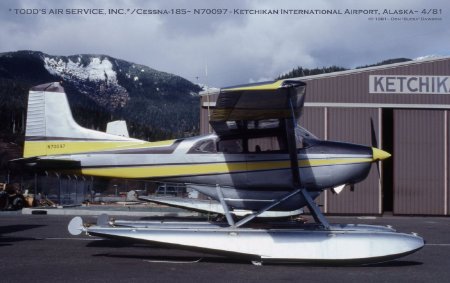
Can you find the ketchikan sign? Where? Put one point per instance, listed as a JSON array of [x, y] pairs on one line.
[[409, 84]]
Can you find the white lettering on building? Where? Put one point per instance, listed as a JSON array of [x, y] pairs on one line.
[[409, 84]]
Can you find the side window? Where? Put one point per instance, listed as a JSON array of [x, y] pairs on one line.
[[231, 146], [206, 146], [265, 144]]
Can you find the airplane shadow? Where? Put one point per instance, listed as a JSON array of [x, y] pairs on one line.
[[111, 243], [175, 259], [395, 263], [217, 259], [17, 228], [7, 240], [108, 243]]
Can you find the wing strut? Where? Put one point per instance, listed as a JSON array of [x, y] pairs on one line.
[[292, 147]]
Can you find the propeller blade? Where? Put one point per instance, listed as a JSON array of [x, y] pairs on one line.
[[373, 137]]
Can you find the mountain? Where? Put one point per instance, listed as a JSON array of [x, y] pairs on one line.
[[100, 88], [302, 72]]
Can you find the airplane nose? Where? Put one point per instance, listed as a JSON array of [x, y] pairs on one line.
[[378, 154]]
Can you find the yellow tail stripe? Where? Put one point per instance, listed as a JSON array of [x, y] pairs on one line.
[[40, 148]]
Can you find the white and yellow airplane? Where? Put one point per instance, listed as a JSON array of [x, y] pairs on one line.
[[234, 166]]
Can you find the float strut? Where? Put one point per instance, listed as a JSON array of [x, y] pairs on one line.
[[315, 211], [270, 206], [225, 206]]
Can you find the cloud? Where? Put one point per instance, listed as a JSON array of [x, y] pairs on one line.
[[236, 48]]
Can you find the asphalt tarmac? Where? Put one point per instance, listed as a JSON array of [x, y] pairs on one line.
[[38, 248]]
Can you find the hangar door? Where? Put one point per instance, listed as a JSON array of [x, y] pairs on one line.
[[354, 125], [419, 162]]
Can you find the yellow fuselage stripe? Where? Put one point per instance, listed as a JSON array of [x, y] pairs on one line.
[[157, 171]]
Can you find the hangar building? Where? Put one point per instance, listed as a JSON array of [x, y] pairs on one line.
[[404, 109]]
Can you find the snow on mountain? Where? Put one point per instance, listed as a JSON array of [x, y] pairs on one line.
[[96, 70], [105, 90]]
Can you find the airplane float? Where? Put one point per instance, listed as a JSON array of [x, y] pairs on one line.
[[230, 167]]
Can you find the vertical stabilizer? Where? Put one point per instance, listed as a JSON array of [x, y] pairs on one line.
[[48, 114], [51, 129]]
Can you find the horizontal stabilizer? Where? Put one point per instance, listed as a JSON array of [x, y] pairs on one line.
[[39, 164]]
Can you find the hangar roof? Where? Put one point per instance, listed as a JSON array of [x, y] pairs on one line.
[[369, 69]]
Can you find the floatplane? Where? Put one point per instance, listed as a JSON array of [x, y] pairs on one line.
[[233, 166]]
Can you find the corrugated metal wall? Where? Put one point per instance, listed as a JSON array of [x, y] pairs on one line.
[[447, 156], [354, 87], [354, 125], [419, 162], [313, 119]]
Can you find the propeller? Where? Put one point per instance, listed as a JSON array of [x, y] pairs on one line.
[[374, 140]]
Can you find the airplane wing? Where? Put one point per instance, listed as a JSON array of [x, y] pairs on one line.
[[257, 106]]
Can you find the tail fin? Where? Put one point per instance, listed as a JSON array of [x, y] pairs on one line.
[[51, 129], [118, 128]]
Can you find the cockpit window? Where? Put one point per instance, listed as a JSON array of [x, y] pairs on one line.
[[204, 146]]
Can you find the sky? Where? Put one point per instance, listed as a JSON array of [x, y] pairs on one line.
[[234, 47]]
